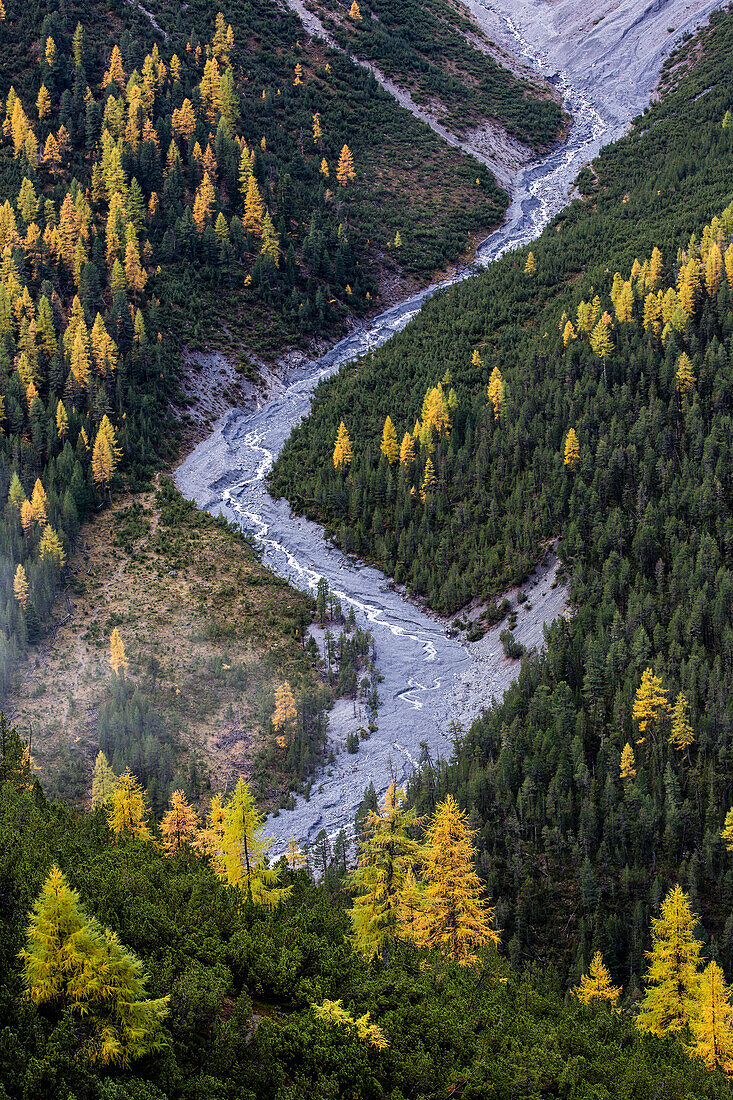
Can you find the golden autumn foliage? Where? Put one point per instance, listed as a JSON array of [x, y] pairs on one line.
[[681, 734], [285, 715], [342, 451], [651, 705], [295, 855], [455, 918], [179, 825], [628, 764], [596, 985], [129, 810], [71, 963], [685, 376], [407, 450], [270, 241], [243, 849], [254, 209], [117, 659], [51, 548], [711, 1021], [530, 267], [20, 587], [390, 448], [495, 392], [334, 1014], [672, 975], [571, 456], [345, 170]]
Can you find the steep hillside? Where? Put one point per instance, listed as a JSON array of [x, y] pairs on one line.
[[438, 53], [163, 173], [630, 349]]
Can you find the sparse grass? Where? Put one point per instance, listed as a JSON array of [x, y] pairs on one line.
[[207, 629]]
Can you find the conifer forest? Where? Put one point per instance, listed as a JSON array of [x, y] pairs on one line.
[[482, 380]]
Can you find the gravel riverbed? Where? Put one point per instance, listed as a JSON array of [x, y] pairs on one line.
[[604, 57]]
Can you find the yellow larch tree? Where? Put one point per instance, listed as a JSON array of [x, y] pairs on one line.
[[129, 811], [386, 853], [476, 360], [342, 450], [26, 516], [624, 305], [135, 276], [210, 839], [390, 448], [62, 421], [50, 548], [203, 204], [596, 985], [104, 349], [628, 764], [456, 919], [407, 450], [317, 130], [210, 88], [354, 12], [530, 268], [713, 269], [600, 337], [285, 715], [652, 318], [435, 412], [254, 209], [117, 659], [20, 586], [39, 503], [688, 285], [345, 171], [80, 355], [672, 976], [685, 376], [179, 825], [656, 267], [51, 154], [72, 963], [681, 734], [183, 120], [495, 392], [244, 851], [105, 454], [569, 333], [103, 781], [43, 102], [571, 457], [428, 482], [104, 462], [324, 168], [115, 72], [711, 1021], [298, 73], [651, 705]]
